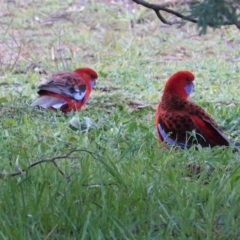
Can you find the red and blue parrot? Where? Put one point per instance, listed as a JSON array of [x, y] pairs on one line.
[[67, 90], [182, 123]]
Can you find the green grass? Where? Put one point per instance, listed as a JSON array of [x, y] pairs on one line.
[[129, 187]]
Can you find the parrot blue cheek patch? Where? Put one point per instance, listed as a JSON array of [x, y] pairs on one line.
[[189, 88], [92, 83]]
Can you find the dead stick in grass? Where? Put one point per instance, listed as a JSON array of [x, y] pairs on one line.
[[52, 160]]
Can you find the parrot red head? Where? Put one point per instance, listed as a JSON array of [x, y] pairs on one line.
[[180, 84], [88, 74]]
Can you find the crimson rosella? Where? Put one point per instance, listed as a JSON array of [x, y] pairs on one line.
[[67, 90], [182, 123]]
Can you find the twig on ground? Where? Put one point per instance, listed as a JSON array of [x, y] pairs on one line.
[[52, 160]]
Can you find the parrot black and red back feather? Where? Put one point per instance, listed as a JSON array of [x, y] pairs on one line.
[[182, 123]]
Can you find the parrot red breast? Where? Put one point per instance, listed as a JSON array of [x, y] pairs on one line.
[[67, 90], [182, 123]]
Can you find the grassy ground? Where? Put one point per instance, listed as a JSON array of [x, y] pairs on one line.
[[125, 186]]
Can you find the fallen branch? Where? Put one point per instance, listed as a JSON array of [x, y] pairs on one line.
[[52, 160]]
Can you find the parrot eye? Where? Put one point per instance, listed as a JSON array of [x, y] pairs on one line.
[[188, 79], [92, 76]]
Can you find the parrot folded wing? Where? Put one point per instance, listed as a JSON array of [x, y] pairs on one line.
[[74, 92], [210, 131], [189, 130]]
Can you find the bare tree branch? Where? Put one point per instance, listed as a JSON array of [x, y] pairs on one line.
[[157, 8], [162, 19], [162, 7], [52, 160]]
